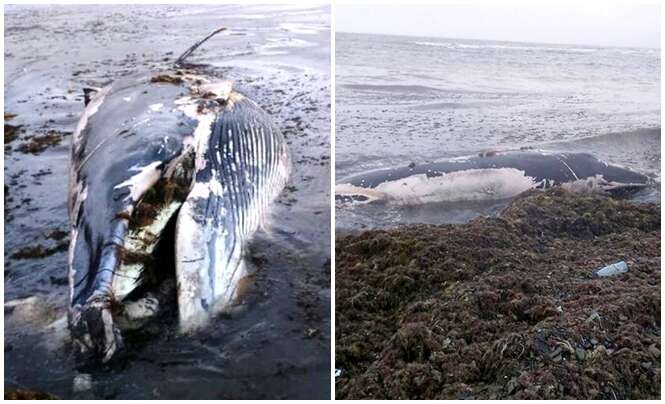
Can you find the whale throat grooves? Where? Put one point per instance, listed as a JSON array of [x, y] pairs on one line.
[[240, 170]]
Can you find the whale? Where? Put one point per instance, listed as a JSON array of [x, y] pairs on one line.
[[171, 171], [485, 177]]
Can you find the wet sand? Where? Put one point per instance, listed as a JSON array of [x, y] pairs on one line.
[[279, 345]]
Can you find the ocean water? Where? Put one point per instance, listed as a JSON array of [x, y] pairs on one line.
[[407, 99]]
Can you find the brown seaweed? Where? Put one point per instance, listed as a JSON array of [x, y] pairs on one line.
[[39, 251], [38, 144], [167, 79], [504, 307]]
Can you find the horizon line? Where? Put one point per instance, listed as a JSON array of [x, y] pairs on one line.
[[496, 40]]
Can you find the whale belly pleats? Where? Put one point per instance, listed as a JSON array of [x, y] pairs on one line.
[[244, 169]]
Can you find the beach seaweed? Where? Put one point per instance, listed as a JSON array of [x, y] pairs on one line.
[[39, 251], [38, 144], [167, 79], [504, 307], [11, 132], [24, 394]]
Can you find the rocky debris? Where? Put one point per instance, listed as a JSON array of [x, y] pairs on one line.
[[504, 307]]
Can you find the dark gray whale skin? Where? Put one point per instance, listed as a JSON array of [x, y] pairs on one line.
[[108, 149], [557, 168], [138, 124]]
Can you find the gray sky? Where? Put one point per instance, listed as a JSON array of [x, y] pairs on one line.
[[615, 24]]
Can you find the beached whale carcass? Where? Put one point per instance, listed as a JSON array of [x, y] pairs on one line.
[[488, 176], [170, 157]]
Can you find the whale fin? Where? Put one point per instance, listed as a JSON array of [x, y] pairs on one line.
[[180, 61]]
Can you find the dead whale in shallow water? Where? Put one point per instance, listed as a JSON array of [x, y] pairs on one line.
[[172, 158], [491, 176]]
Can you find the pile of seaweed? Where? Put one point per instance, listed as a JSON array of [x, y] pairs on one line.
[[505, 307], [22, 394]]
